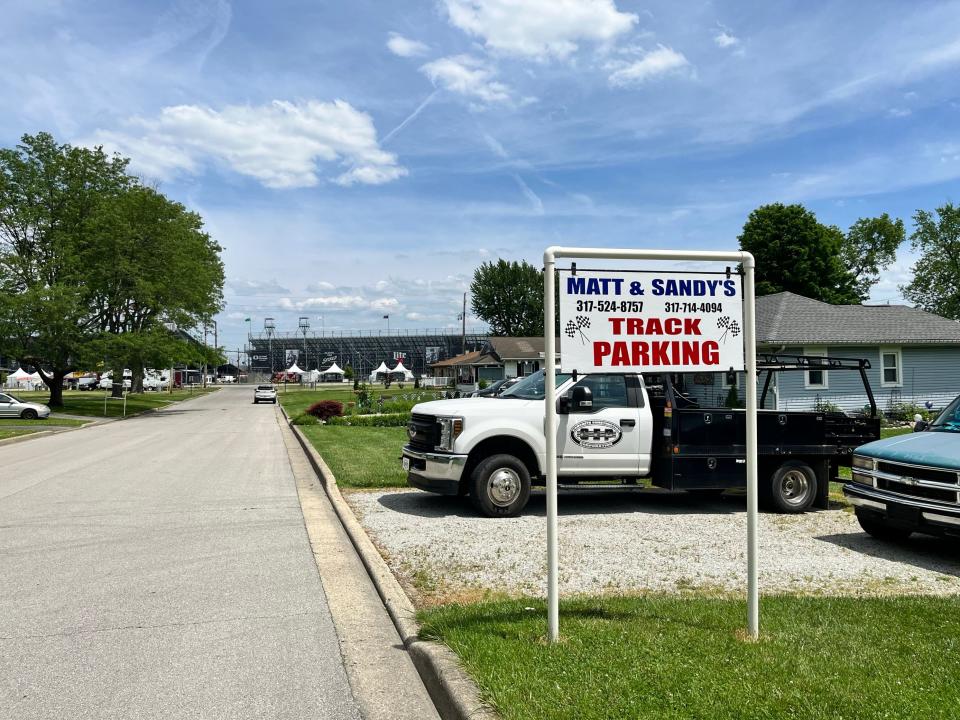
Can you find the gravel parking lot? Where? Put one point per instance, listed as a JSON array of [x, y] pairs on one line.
[[650, 541]]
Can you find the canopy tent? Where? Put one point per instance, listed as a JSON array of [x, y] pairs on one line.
[[400, 369], [294, 370], [381, 370], [310, 376], [18, 379], [332, 370]]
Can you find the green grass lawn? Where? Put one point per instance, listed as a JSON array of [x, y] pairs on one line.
[[61, 422], [361, 457], [296, 400], [90, 402], [4, 434], [666, 657]]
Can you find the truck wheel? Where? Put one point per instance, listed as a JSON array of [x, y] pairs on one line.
[[793, 487], [29, 414], [874, 526], [500, 486]]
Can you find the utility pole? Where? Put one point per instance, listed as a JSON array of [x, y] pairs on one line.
[[304, 326], [269, 327], [463, 337]]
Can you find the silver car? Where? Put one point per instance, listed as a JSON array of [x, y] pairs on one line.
[[265, 393], [11, 407]]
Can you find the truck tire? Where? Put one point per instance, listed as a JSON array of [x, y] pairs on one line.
[[500, 486], [875, 527], [792, 488]]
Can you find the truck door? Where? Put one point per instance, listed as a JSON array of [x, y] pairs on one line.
[[610, 438]]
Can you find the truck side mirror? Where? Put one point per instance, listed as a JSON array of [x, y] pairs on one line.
[[919, 424], [581, 399]]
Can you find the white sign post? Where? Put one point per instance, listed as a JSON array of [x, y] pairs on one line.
[[629, 321]]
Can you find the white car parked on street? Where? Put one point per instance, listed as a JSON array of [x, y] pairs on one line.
[[11, 407]]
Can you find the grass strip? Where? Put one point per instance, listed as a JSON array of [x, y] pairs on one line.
[[665, 657], [4, 434], [361, 457], [59, 422], [90, 402]]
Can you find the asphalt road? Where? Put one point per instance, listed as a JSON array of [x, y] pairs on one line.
[[159, 568]]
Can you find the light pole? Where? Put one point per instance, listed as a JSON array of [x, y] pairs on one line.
[[387, 318], [304, 326], [269, 327]]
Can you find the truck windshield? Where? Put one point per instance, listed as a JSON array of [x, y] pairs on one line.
[[532, 387], [949, 420]]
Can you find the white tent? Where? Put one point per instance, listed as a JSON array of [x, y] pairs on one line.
[[293, 369], [310, 376], [332, 370], [400, 369], [18, 379], [382, 370]]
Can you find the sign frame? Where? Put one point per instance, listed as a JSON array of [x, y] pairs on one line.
[[747, 262]]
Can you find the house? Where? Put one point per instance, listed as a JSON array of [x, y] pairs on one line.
[[469, 368], [914, 355], [520, 356]]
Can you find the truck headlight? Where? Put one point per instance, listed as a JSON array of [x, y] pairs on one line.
[[864, 462], [450, 429]]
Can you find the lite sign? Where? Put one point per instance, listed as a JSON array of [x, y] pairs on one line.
[[614, 321]]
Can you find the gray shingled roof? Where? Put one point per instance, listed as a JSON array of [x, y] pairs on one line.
[[517, 348], [789, 319]]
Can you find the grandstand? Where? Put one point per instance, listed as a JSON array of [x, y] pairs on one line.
[[271, 352]]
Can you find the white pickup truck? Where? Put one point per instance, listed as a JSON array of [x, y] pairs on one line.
[[621, 428]]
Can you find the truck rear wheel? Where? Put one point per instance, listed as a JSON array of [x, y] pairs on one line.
[[874, 526], [500, 486], [792, 487]]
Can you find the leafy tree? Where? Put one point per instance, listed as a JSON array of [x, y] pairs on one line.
[[155, 265], [508, 296], [52, 198], [871, 245], [795, 252], [935, 286]]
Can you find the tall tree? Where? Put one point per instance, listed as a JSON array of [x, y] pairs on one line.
[[51, 200], [935, 286], [156, 265], [508, 296], [870, 245], [795, 252]]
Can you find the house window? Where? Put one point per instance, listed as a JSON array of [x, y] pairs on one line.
[[815, 379], [725, 381], [891, 367]]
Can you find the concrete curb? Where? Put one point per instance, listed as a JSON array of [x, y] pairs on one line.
[[27, 436], [453, 692]]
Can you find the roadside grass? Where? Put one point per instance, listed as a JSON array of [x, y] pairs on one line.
[[4, 434], [90, 402], [667, 657], [60, 422], [361, 457]]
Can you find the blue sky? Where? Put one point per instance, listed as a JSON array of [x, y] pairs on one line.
[[361, 158]]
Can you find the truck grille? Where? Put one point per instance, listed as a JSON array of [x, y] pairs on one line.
[[424, 432], [918, 481]]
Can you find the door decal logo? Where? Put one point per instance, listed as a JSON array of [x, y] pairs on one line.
[[595, 434]]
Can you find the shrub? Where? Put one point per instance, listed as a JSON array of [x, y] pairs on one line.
[[483, 384], [326, 409], [904, 412], [304, 419], [387, 420]]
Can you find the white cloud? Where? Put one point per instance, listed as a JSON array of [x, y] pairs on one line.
[[242, 286], [320, 286], [468, 76], [724, 39], [280, 144], [405, 47], [325, 301], [539, 29], [384, 303], [898, 112], [655, 63]]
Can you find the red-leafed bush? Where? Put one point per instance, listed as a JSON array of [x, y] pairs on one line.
[[326, 409]]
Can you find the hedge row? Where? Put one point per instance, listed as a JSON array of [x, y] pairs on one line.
[[385, 420]]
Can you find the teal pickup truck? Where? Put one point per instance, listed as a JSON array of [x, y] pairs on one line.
[[910, 483]]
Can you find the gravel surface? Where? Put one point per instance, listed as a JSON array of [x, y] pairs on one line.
[[650, 541]]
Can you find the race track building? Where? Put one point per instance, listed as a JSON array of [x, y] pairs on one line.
[[363, 351]]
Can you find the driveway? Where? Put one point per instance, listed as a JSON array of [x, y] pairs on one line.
[[652, 541], [159, 568]]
